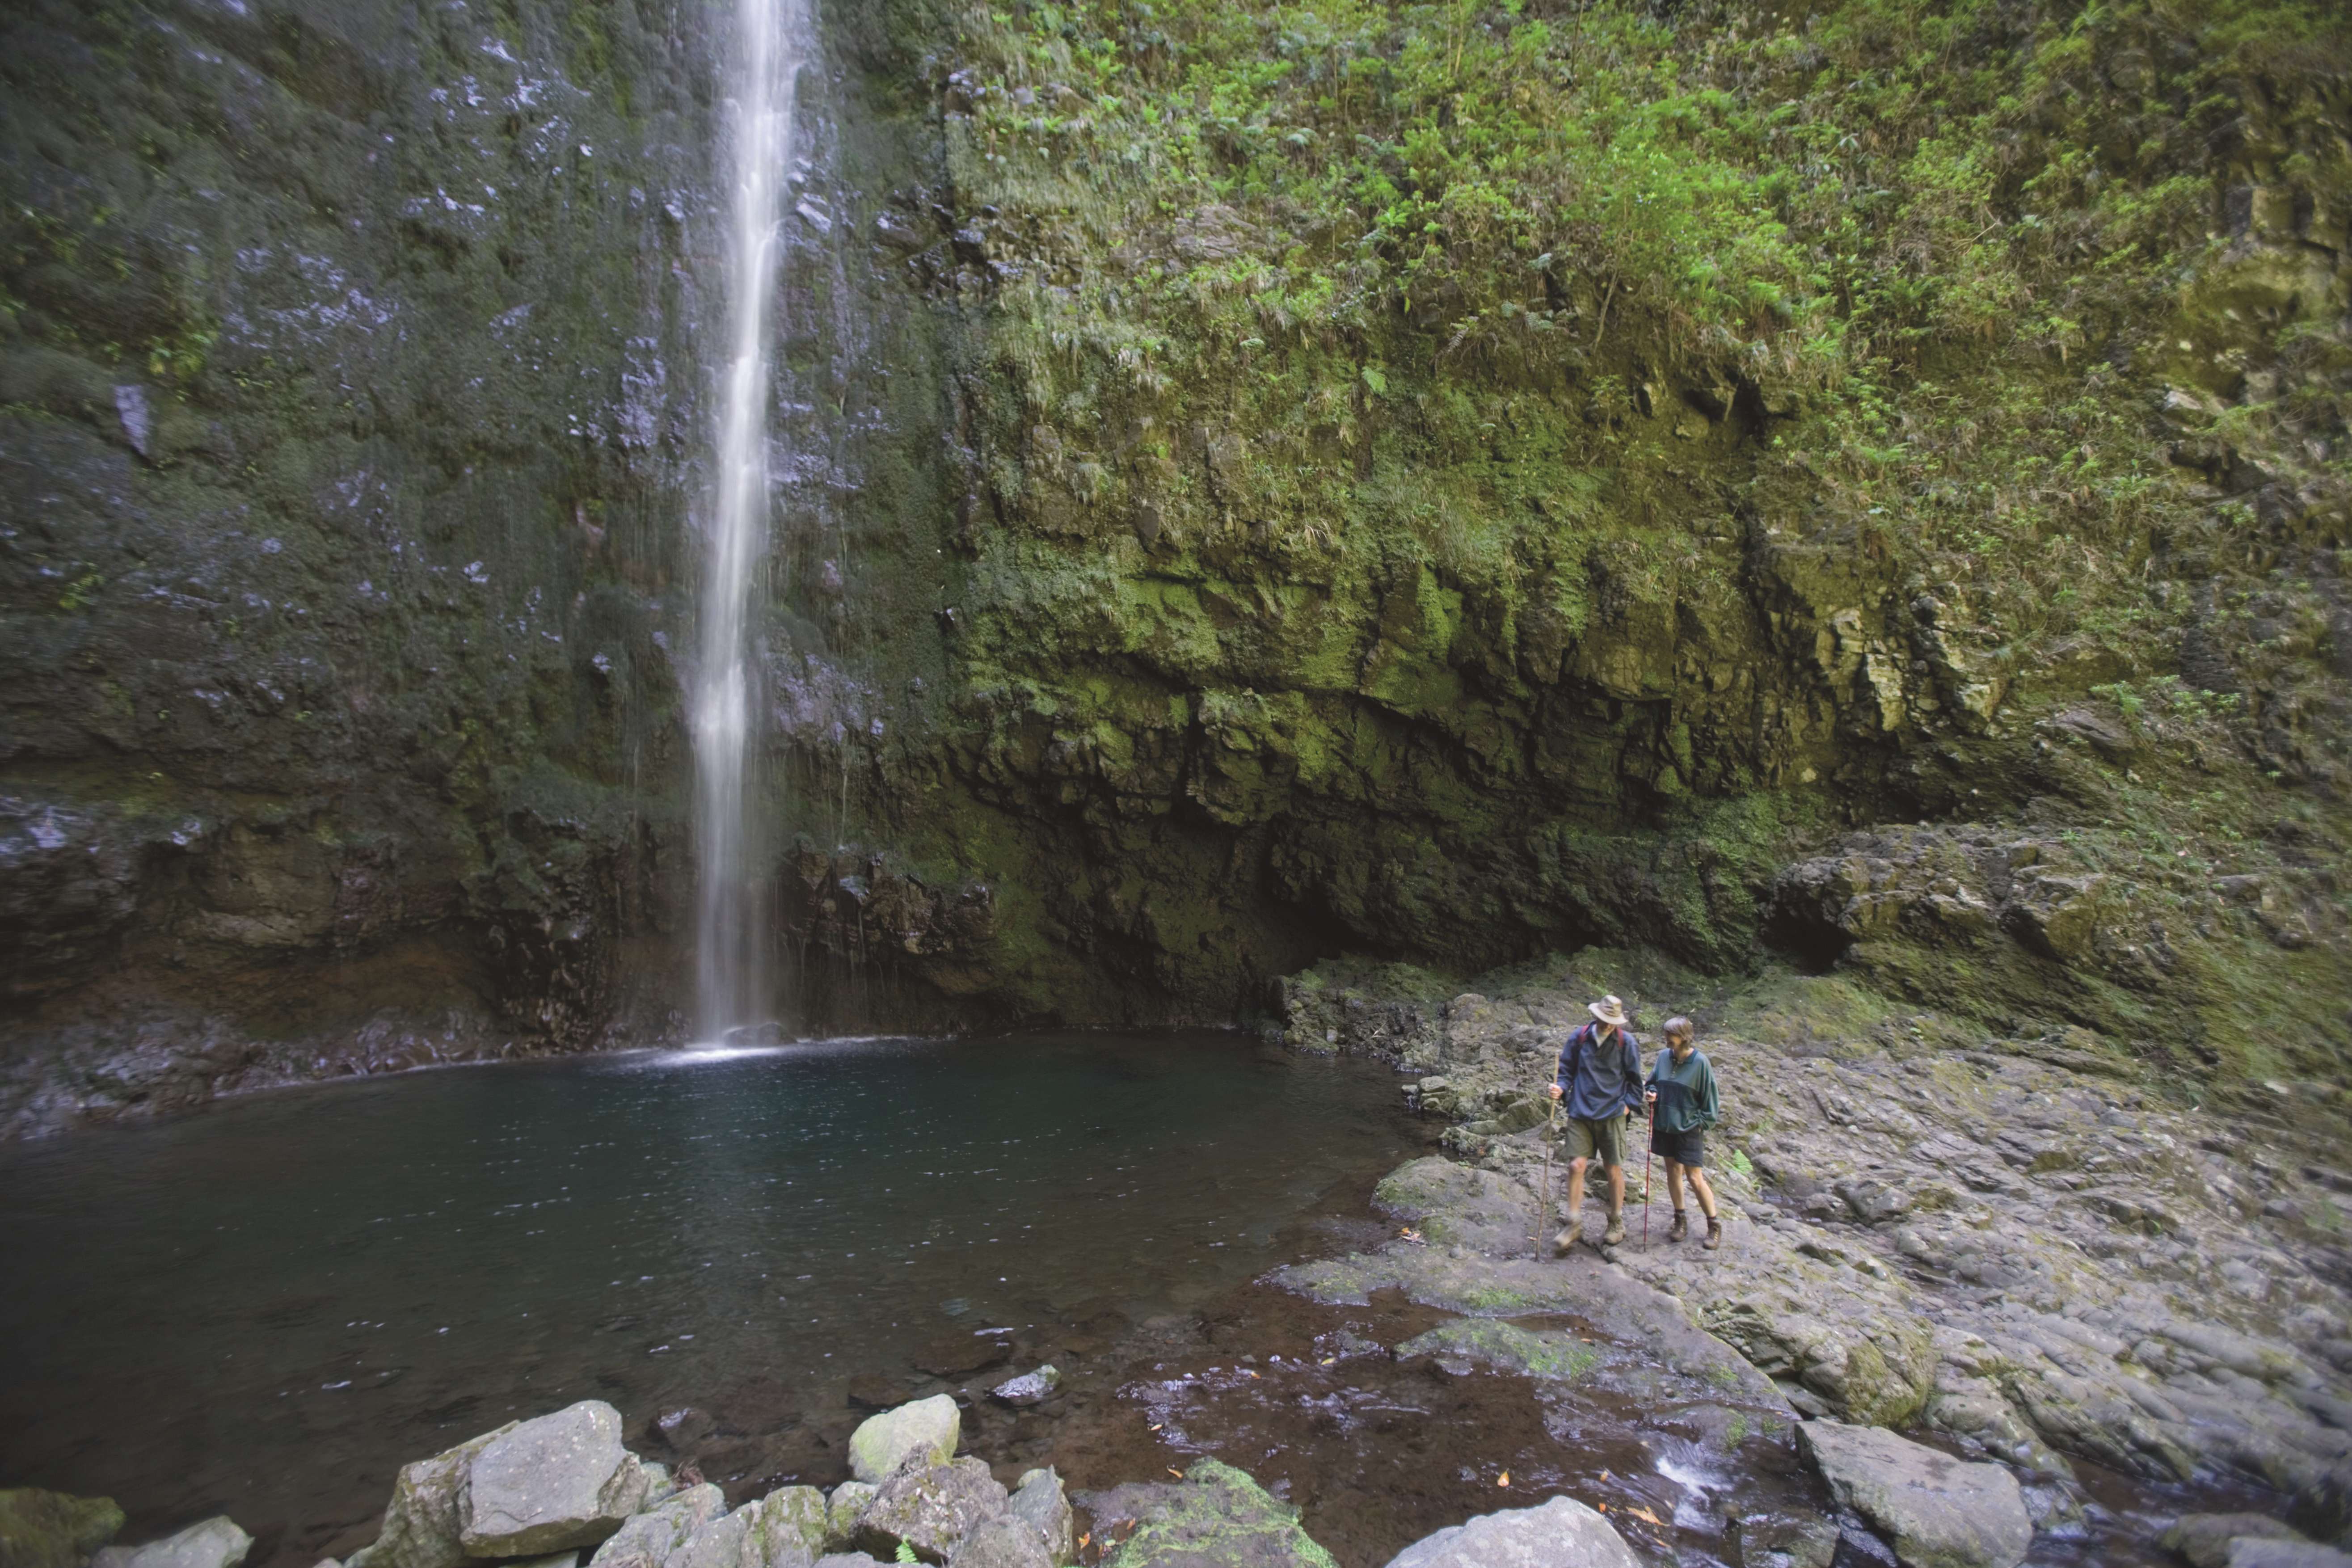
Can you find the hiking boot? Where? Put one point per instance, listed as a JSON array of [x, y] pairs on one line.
[[1680, 1228], [1713, 1233], [1569, 1235], [1616, 1231]]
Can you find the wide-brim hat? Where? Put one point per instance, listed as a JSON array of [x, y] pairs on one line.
[[1608, 1010]]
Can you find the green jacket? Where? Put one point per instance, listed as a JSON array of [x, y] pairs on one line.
[[1686, 1092]]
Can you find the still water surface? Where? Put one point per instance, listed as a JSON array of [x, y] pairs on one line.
[[267, 1309]]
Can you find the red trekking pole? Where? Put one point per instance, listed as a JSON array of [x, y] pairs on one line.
[[1647, 1122]]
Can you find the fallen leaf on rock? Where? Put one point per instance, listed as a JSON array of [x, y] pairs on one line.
[[1177, 1473], [1506, 1480], [1644, 1514]]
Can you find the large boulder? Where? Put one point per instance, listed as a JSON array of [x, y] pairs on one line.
[[216, 1542], [843, 1510], [783, 1530], [420, 1523], [1003, 1542], [561, 1480], [1562, 1534], [882, 1443], [1938, 1511], [1038, 1502], [2271, 1551], [929, 1509], [648, 1540], [50, 1530], [1216, 1517]]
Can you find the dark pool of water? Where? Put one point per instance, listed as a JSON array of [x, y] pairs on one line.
[[267, 1309]]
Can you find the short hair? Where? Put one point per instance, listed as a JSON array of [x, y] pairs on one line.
[[1679, 1027]]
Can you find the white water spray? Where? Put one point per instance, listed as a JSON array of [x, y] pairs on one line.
[[772, 42]]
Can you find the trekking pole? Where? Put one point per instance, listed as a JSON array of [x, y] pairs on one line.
[[1648, 1122], [1543, 1195]]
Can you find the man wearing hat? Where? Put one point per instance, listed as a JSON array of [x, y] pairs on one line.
[[1599, 1078]]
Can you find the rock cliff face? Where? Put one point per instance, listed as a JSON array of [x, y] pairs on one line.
[[352, 420], [1442, 488]]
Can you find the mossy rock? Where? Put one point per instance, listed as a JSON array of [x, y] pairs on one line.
[[52, 1530], [1216, 1517]]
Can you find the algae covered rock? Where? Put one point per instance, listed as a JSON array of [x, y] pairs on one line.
[[882, 1443], [1552, 1354], [420, 1524], [51, 1530], [1216, 1517], [647, 1540], [1004, 1541], [1938, 1511], [783, 1530], [843, 1510], [561, 1480], [214, 1542], [1562, 1534], [1450, 1203], [930, 1508]]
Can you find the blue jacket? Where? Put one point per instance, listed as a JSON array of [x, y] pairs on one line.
[[1608, 1077]]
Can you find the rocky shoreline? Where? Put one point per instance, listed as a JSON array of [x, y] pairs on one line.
[[2029, 1250]]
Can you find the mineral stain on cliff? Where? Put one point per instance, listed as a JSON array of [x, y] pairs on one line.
[[1859, 484]]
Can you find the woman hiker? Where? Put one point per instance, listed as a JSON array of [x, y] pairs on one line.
[[1681, 1092], [1599, 1078]]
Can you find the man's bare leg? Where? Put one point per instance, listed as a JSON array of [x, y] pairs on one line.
[[1575, 1226]]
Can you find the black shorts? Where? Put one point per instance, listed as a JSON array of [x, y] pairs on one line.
[[1682, 1148]]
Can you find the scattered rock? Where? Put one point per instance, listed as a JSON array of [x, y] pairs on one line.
[[1562, 1534], [785, 1529], [1778, 1541], [560, 1480], [1038, 1501], [216, 1542], [930, 1508], [1004, 1541], [647, 1540], [929, 1426], [2257, 1552], [1938, 1511], [2205, 1538], [50, 1530], [420, 1524], [1216, 1517], [844, 1510], [1029, 1388]]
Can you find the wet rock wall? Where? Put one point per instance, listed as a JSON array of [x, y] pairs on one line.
[[352, 415]]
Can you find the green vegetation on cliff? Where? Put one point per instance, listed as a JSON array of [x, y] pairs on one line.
[[1450, 480]]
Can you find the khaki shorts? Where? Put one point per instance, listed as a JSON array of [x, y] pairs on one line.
[[1582, 1140]]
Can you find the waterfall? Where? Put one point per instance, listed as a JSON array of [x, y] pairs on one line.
[[772, 42]]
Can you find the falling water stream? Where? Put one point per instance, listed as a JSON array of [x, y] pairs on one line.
[[772, 41]]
